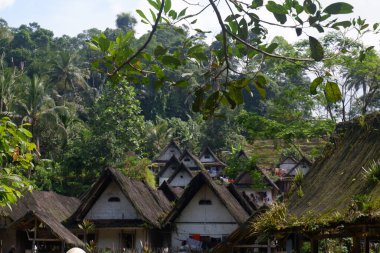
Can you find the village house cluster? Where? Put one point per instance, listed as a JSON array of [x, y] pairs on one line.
[[191, 206]]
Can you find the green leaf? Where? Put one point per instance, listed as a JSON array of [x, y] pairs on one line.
[[339, 8], [142, 15], [212, 101], [154, 4], [198, 101], [173, 14], [194, 21], [270, 49], [257, 3], [332, 92], [168, 5], [154, 17], [104, 43], [182, 83], [309, 7], [343, 24], [276, 8], [158, 70], [159, 51], [314, 85], [280, 18], [243, 29], [170, 60], [182, 13], [316, 48]]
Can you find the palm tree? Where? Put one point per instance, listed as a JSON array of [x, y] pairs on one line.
[[38, 109], [8, 79], [65, 73]]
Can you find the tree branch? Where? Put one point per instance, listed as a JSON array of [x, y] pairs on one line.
[[154, 28], [224, 32]]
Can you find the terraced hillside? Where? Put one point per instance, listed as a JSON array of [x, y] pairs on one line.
[[269, 151]]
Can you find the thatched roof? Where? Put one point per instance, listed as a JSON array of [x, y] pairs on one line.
[[245, 179], [172, 144], [338, 177], [173, 162], [207, 151], [183, 168], [151, 205], [187, 153], [243, 199], [170, 192], [59, 231], [228, 200], [57, 206], [242, 154], [304, 160]]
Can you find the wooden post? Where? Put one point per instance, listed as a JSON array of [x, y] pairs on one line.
[[366, 244], [314, 245], [269, 248], [356, 245], [35, 236]]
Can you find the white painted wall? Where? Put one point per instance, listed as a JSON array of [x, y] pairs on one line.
[[169, 171], [103, 209], [204, 158], [182, 179], [303, 167], [190, 163], [169, 153], [216, 212], [209, 220], [287, 165]]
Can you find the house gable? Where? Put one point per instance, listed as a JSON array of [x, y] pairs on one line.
[[170, 150], [207, 156], [181, 177], [190, 161], [205, 207], [112, 204]]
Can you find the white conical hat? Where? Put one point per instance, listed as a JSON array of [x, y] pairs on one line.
[[76, 250]]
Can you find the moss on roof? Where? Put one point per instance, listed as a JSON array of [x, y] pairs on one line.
[[337, 179]]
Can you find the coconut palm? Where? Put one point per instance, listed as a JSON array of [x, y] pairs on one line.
[[38, 109], [65, 73]]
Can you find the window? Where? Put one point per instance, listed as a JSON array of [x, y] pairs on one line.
[[181, 176], [207, 156], [204, 202], [172, 150], [187, 159], [114, 199]]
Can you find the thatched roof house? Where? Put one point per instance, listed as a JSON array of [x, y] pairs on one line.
[[42, 211], [150, 205], [340, 195]]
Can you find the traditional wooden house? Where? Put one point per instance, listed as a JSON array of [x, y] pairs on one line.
[[242, 155], [211, 162], [181, 177], [261, 190], [191, 161], [172, 149], [204, 214], [339, 210], [35, 222], [126, 213], [170, 192], [287, 164], [302, 165], [168, 170]]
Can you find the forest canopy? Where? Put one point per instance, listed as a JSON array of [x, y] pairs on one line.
[[109, 98]]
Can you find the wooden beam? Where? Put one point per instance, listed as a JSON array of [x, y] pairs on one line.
[[356, 245], [314, 246]]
